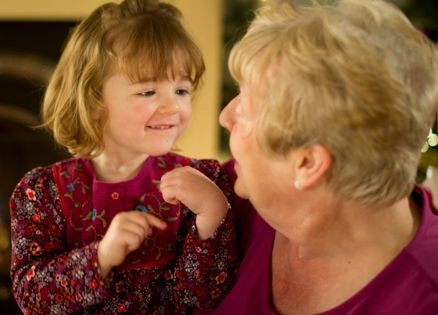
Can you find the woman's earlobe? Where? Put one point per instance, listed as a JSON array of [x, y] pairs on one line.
[[297, 184]]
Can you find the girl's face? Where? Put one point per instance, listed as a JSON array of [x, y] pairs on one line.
[[145, 118]]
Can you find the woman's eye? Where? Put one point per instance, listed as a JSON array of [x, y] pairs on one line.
[[147, 93], [182, 92]]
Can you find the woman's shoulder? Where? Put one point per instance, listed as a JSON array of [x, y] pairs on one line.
[[424, 246]]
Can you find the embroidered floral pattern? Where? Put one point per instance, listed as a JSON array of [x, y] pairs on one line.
[[57, 221]]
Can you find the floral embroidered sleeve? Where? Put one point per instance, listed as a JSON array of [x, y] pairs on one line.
[[48, 279], [205, 270]]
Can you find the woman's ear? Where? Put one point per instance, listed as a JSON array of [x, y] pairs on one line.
[[311, 165]]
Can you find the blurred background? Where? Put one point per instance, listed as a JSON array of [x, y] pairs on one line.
[[32, 35]]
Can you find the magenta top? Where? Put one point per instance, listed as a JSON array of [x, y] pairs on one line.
[[60, 212], [408, 285]]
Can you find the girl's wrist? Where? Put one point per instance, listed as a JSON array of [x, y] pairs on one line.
[[208, 222], [104, 267]]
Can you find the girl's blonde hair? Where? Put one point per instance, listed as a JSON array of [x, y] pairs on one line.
[[140, 38], [352, 75]]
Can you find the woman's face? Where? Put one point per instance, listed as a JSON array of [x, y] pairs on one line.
[[267, 181], [258, 176], [237, 117]]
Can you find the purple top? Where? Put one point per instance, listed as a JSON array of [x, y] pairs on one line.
[[408, 285], [60, 212]]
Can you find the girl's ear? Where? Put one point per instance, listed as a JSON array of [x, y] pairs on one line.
[[311, 165], [95, 115], [98, 114]]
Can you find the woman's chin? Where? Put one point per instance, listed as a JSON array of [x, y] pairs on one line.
[[240, 190]]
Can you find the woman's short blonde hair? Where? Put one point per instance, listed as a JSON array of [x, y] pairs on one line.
[[352, 75], [140, 38]]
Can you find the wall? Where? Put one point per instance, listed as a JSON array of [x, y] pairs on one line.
[[204, 21]]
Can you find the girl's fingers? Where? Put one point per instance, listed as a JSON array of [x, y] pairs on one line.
[[154, 221], [141, 223], [169, 194], [133, 240], [147, 220]]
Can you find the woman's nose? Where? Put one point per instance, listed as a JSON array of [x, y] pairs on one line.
[[226, 116]]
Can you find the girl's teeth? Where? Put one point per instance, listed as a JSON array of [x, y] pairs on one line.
[[160, 127]]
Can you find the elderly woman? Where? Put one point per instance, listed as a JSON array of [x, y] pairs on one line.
[[335, 103]]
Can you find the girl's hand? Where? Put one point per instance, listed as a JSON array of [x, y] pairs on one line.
[[126, 233], [201, 195]]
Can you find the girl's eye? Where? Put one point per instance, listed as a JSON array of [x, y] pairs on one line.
[[182, 92], [147, 93]]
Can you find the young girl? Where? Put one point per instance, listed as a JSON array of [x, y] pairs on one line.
[[124, 226]]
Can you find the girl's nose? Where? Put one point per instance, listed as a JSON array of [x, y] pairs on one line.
[[168, 106]]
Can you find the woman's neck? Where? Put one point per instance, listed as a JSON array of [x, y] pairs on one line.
[[326, 262], [326, 259], [342, 228]]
